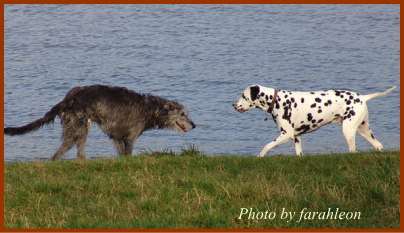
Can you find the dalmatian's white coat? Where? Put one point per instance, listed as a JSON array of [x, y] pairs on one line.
[[296, 113]]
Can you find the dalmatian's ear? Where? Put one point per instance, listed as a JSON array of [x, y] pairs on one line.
[[254, 91]]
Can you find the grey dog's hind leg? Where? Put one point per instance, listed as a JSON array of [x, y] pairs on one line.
[[82, 133], [66, 145], [74, 132]]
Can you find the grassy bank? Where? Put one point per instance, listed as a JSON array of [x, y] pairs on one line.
[[201, 191]]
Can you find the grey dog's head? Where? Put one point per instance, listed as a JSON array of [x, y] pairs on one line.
[[177, 117]]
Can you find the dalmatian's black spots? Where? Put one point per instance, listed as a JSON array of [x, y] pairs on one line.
[[313, 121], [277, 106], [314, 126], [373, 136], [319, 121], [274, 117], [297, 140], [329, 102], [283, 130], [287, 114], [254, 90], [270, 97], [313, 105], [319, 111], [303, 129], [302, 100], [349, 114], [357, 100], [295, 105], [286, 96], [348, 93], [363, 122], [266, 98], [309, 116], [262, 94], [284, 104], [312, 93], [292, 100], [352, 112], [293, 125], [337, 93], [323, 94], [243, 96], [318, 100], [287, 101], [348, 102]]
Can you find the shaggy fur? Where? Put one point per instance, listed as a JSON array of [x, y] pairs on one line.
[[121, 113]]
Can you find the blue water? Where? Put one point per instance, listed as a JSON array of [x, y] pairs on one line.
[[202, 56]]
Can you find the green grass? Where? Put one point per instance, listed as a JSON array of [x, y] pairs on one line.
[[193, 190]]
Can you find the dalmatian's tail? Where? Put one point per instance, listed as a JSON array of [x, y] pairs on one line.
[[378, 94]]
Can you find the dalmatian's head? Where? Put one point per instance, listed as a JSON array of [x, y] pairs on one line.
[[248, 99]]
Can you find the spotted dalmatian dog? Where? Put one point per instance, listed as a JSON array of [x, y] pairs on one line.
[[296, 113]]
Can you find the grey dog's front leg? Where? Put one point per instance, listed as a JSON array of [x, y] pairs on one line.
[[128, 147], [119, 146]]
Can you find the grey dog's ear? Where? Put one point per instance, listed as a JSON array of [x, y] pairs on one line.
[[169, 106], [254, 91]]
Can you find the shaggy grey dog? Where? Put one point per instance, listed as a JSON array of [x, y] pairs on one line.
[[121, 113]]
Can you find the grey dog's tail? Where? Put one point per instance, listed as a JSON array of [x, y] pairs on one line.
[[46, 119], [378, 94]]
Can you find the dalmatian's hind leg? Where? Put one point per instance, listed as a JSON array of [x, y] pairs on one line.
[[366, 132], [351, 123], [349, 131]]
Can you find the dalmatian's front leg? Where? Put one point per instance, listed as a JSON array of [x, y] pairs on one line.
[[298, 145], [283, 138]]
